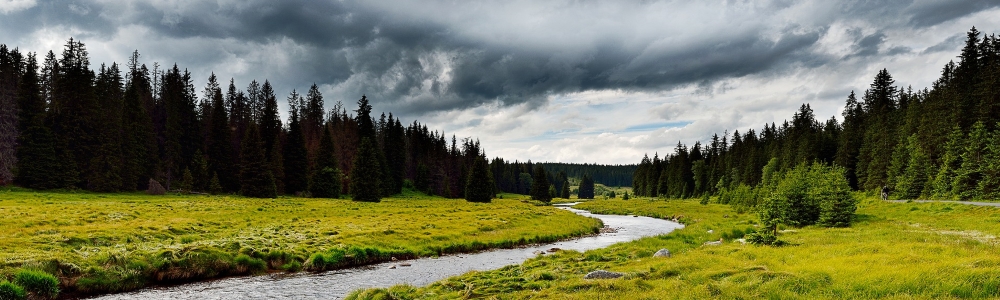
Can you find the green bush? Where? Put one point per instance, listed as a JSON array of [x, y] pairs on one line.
[[316, 262], [10, 291], [247, 264], [38, 282]]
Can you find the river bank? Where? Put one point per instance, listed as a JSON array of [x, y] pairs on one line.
[[106, 243]]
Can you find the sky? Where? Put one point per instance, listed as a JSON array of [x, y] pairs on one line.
[[559, 81]]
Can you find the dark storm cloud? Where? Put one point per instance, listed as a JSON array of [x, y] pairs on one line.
[[417, 63]]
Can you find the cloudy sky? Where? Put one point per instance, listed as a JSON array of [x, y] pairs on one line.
[[568, 81]]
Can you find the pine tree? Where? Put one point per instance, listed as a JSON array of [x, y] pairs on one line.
[[41, 164], [973, 157], [915, 179], [989, 186], [10, 69], [366, 174], [187, 181], [256, 180], [295, 155], [565, 190], [586, 188], [950, 164], [480, 185], [213, 186], [105, 164], [276, 162], [138, 141], [540, 185], [221, 160], [326, 178]]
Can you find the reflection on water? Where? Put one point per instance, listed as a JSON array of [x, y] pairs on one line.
[[337, 284]]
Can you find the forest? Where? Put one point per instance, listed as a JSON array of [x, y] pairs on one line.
[[65, 126], [941, 142]]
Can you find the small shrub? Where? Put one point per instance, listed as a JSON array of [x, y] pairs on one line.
[[38, 282], [247, 264], [316, 262], [766, 238], [293, 266], [11, 291], [704, 199]]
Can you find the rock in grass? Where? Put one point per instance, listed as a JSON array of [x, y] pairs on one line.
[[662, 253], [602, 274], [155, 188]]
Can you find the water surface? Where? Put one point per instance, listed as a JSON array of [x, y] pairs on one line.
[[338, 283]]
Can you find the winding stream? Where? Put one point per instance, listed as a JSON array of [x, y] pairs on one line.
[[338, 283]]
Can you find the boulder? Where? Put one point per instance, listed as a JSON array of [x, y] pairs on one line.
[[155, 188], [662, 253], [602, 274]]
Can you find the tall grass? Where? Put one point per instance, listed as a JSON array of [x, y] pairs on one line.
[[900, 251], [99, 243]]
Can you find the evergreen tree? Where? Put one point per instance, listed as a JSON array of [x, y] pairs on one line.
[[480, 186], [256, 180], [565, 190], [540, 185], [950, 164], [829, 187], [73, 110], [989, 186], [41, 164], [220, 150], [366, 174], [138, 141], [10, 73], [326, 178], [295, 155], [973, 157], [105, 164], [915, 179], [586, 188], [200, 174]]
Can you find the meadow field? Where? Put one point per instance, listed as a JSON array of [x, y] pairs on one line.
[[893, 251], [99, 243]]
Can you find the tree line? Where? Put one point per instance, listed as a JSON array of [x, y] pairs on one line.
[[941, 142], [63, 125]]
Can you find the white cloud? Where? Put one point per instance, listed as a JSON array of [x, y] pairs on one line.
[[9, 6]]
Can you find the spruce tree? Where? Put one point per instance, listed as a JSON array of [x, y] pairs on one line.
[[138, 141], [41, 163], [326, 178], [480, 186], [296, 158], [540, 185], [950, 164], [968, 176], [586, 190], [10, 69], [366, 173], [989, 186], [915, 179], [565, 190], [256, 180], [221, 160]]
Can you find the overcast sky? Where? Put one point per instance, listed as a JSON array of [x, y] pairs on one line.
[[567, 81]]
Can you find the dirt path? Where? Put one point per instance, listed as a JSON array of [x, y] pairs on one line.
[[993, 204]]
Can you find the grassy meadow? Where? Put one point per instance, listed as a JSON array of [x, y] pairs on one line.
[[893, 251], [97, 243]]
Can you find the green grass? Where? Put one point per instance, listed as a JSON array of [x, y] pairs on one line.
[[895, 251], [97, 243]]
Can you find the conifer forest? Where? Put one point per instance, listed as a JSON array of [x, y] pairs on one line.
[[937, 142]]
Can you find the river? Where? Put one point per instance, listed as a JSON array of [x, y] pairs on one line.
[[338, 283]]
